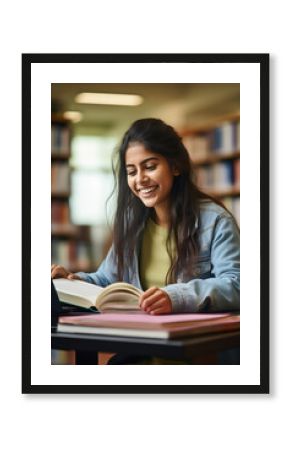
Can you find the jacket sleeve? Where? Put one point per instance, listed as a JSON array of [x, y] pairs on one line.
[[106, 273], [220, 292]]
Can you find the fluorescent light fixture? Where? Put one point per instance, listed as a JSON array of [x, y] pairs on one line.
[[74, 116], [109, 99]]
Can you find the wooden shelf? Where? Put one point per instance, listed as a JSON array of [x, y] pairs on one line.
[[214, 123], [214, 151], [60, 195], [60, 157], [229, 192], [70, 245], [66, 230], [215, 158], [59, 119]]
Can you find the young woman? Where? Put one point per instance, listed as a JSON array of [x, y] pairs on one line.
[[170, 239]]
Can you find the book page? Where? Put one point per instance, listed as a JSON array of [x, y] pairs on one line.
[[122, 286], [118, 300], [123, 293], [78, 289]]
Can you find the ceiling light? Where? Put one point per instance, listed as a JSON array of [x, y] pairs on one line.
[[74, 116], [109, 99]]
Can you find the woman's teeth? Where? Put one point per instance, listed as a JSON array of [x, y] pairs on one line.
[[147, 190]]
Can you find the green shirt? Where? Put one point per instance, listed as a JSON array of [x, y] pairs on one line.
[[154, 258]]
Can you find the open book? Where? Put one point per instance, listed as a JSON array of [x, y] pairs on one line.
[[117, 296]]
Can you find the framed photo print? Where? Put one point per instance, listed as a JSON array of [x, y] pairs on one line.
[[145, 214]]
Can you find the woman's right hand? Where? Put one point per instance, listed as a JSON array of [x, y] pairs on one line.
[[60, 272]]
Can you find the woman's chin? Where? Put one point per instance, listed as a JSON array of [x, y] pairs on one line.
[[149, 203]]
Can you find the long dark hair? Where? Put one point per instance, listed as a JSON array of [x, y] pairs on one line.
[[132, 214]]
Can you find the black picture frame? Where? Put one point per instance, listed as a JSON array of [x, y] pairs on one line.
[[240, 58]]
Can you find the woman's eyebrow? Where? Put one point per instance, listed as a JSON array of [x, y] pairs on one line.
[[144, 161]]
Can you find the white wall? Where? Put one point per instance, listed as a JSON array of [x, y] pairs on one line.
[[200, 421]]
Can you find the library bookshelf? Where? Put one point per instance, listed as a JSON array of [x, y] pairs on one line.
[[214, 150], [70, 244]]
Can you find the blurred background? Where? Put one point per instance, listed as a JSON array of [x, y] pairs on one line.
[[88, 122]]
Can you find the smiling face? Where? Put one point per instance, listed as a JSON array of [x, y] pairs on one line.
[[150, 178]]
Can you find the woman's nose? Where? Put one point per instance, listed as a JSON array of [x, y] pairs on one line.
[[141, 176]]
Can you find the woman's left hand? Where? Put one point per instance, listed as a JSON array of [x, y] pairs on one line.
[[155, 301]]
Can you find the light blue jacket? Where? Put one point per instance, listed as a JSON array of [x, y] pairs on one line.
[[212, 285]]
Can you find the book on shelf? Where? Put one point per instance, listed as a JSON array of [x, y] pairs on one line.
[[60, 139], [218, 176], [145, 325], [198, 146], [226, 137], [60, 178], [223, 175], [237, 173], [71, 253], [60, 212], [115, 297], [220, 140]]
